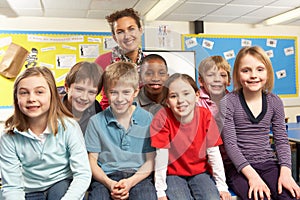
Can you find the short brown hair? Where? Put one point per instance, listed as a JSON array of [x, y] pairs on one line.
[[85, 70], [128, 12], [120, 71]]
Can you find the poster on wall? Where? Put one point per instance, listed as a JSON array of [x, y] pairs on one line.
[[282, 51], [58, 51]]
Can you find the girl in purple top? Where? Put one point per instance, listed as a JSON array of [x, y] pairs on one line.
[[246, 115]]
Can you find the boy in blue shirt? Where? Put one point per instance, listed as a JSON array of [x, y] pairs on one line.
[[118, 142]]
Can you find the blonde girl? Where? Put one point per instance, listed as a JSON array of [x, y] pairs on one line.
[[246, 115]]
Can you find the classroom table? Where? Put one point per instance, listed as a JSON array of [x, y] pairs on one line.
[[293, 132]]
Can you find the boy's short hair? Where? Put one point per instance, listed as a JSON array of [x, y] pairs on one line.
[[85, 70], [211, 61], [120, 71], [153, 57]]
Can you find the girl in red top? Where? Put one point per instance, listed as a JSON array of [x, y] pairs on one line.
[[182, 132]]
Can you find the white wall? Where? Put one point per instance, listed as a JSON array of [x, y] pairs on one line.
[[292, 105]]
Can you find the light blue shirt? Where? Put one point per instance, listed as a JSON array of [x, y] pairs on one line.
[[119, 149], [29, 165]]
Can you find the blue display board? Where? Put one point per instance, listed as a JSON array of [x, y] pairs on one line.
[[282, 51]]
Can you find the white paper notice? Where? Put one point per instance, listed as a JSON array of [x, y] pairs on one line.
[[271, 43], [207, 44], [289, 51], [191, 42], [65, 60], [229, 54], [281, 74]]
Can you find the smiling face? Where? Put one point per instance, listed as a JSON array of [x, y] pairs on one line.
[[81, 95], [252, 74], [34, 98], [120, 98], [153, 75], [182, 100], [127, 34], [215, 81]]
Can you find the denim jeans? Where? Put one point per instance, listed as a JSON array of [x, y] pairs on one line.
[[198, 187], [144, 190], [55, 192]]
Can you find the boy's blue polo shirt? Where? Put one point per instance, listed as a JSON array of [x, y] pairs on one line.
[[119, 149]]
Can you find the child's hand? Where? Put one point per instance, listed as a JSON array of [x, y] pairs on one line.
[[121, 190], [286, 180], [256, 185], [258, 188], [116, 191], [224, 195]]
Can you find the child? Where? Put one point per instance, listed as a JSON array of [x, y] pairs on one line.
[[118, 140], [127, 31], [43, 155], [214, 77], [82, 84], [182, 132], [247, 115], [153, 74]]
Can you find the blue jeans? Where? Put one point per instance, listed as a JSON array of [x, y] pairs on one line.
[[55, 192], [199, 187], [144, 190]]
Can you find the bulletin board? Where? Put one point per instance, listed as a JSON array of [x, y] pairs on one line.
[[282, 51], [58, 51]]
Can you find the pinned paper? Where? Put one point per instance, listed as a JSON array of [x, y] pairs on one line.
[[289, 51], [69, 47], [270, 53], [48, 49], [207, 44], [94, 40], [109, 43], [5, 41], [281, 74], [246, 43], [191, 42], [89, 50], [271, 43], [65, 61], [46, 65], [229, 54]]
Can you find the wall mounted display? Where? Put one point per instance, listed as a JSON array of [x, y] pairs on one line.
[[58, 51], [282, 51]]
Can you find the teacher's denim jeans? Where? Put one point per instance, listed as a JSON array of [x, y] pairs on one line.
[[144, 190], [55, 192], [198, 187]]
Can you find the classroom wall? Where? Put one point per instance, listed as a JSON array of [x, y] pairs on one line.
[[292, 105]]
